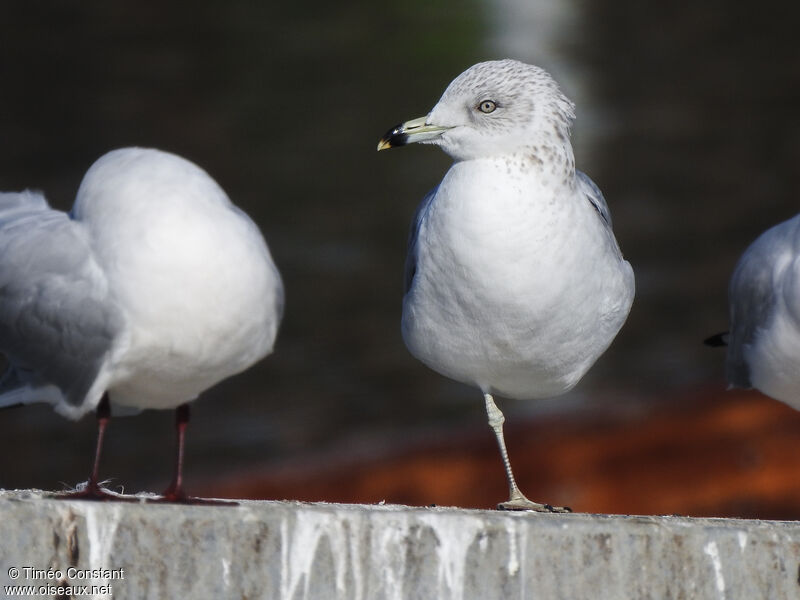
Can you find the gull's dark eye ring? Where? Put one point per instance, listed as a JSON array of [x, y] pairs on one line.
[[487, 106]]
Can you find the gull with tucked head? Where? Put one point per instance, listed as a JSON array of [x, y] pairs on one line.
[[515, 283], [152, 289]]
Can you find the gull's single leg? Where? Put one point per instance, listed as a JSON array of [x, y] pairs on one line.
[[516, 500]]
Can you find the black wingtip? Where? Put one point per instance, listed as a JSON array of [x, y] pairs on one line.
[[717, 340]]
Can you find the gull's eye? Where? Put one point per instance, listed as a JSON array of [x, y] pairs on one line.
[[487, 106]]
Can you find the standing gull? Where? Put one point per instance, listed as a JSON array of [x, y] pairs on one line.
[[764, 297], [151, 290], [514, 281]]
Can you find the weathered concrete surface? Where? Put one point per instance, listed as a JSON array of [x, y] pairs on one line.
[[286, 550]]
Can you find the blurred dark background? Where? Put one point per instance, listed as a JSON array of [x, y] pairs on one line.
[[687, 120]]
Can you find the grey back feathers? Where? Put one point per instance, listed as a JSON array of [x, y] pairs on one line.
[[594, 195], [49, 282], [755, 293], [416, 223]]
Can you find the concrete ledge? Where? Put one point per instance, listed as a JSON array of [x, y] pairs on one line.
[[288, 550]]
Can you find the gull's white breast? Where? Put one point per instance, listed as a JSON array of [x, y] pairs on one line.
[[519, 284]]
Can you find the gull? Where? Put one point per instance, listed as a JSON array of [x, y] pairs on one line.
[[153, 288], [764, 300], [514, 281]]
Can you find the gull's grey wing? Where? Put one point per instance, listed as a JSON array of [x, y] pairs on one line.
[[411, 256], [594, 195], [753, 290], [57, 323]]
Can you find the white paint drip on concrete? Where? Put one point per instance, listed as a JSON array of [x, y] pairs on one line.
[[385, 543], [513, 548], [226, 572], [354, 529], [713, 552], [742, 540], [101, 528], [454, 537], [301, 540], [284, 558]]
